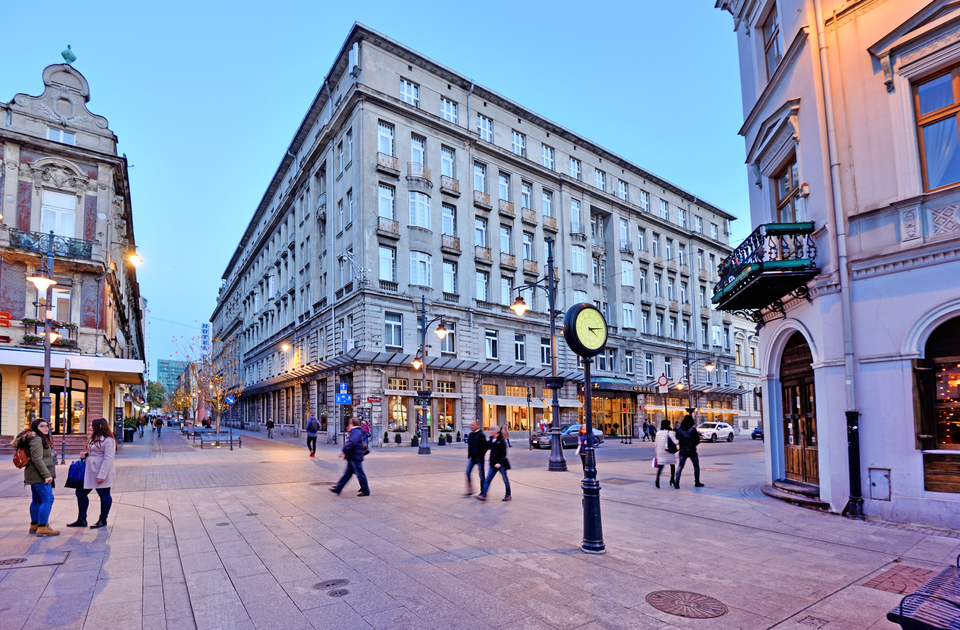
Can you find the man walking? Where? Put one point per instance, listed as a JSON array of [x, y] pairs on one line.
[[689, 437], [313, 426], [270, 428], [477, 446], [353, 452]]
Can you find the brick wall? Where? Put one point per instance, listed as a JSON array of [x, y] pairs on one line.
[[94, 403], [24, 204], [91, 295], [13, 288], [89, 218]]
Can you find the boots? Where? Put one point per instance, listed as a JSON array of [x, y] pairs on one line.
[[33, 528], [44, 530], [101, 522], [80, 522]]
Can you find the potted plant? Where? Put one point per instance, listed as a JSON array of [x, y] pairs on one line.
[[129, 426], [458, 436], [32, 339], [441, 441], [396, 438], [30, 320]]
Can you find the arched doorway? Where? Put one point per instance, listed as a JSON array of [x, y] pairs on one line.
[[801, 462]]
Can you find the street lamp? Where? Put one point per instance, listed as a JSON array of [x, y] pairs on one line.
[[708, 366], [424, 393], [43, 280], [555, 383]]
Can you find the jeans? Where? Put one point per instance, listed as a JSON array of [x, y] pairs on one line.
[[42, 503], [696, 466], [493, 473], [269, 432], [353, 468], [83, 502], [471, 462], [312, 443], [158, 430], [141, 430]]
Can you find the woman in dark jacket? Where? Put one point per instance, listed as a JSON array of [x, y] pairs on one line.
[[498, 462], [39, 474], [689, 437]]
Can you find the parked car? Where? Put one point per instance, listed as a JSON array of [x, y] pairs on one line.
[[757, 433], [713, 431], [568, 437]]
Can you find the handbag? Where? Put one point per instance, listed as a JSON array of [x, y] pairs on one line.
[[671, 445], [76, 474]]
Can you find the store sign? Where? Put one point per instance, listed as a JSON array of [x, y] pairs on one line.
[[373, 399]]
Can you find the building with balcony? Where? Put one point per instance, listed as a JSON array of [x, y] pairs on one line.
[[63, 185], [851, 274], [402, 168]]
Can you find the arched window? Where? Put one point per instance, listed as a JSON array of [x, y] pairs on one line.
[[938, 386]]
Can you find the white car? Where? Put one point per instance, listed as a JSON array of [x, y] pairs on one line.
[[713, 431]]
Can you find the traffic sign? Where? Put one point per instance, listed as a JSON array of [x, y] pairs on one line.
[[662, 380], [229, 400], [344, 399], [343, 388], [663, 389]]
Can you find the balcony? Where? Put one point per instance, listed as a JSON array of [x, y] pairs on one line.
[[550, 223], [687, 308], [672, 265], [451, 297], [450, 244], [773, 262], [684, 270], [626, 248], [506, 209], [292, 285], [528, 215], [63, 246], [658, 261], [386, 285], [703, 275], [530, 266], [483, 255], [577, 233], [33, 330], [449, 186], [388, 228], [706, 311], [388, 164], [674, 305], [508, 260], [482, 200], [419, 171], [644, 255]]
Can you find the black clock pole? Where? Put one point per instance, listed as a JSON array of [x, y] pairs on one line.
[[592, 527]]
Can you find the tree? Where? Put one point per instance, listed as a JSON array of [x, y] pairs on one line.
[[209, 377], [156, 393]]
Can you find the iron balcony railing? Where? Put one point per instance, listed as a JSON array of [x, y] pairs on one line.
[[63, 246]]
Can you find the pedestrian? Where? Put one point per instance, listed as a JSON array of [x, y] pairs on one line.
[[666, 451], [477, 446], [365, 427], [652, 429], [99, 473], [141, 422], [313, 427], [582, 446], [270, 428], [353, 452], [159, 425], [498, 461], [689, 437], [40, 474]]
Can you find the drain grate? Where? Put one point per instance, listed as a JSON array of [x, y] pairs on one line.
[[328, 584], [222, 524], [686, 604], [10, 561], [323, 483], [339, 592], [252, 514]]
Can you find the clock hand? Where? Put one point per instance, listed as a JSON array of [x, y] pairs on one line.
[[592, 329]]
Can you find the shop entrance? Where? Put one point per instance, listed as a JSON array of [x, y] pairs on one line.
[[801, 460], [68, 405]]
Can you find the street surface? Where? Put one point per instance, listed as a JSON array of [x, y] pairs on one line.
[[253, 539]]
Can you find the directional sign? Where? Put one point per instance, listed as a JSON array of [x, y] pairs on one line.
[[5, 319], [344, 399], [343, 388], [662, 380], [229, 400]]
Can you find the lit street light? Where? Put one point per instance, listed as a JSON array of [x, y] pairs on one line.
[[43, 280], [418, 363]]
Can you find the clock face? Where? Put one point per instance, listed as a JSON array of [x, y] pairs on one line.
[[585, 330]]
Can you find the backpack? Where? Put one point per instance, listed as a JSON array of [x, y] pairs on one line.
[[22, 455], [313, 425]]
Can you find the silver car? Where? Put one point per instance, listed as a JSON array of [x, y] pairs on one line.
[[713, 431]]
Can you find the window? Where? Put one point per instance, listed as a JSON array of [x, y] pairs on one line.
[[449, 277], [713, 264], [655, 244], [448, 162], [480, 231], [683, 292], [526, 195], [448, 110], [349, 146], [340, 216], [340, 157], [642, 281], [623, 190], [726, 375], [645, 321], [670, 291], [669, 249], [419, 210], [483, 280], [698, 225], [506, 287], [409, 92], [664, 210], [575, 168], [528, 246], [626, 273], [518, 143], [387, 207], [716, 335], [682, 254], [659, 327], [547, 203], [628, 316], [699, 259], [668, 367], [480, 177], [579, 297], [645, 201], [520, 348], [449, 220], [418, 149], [601, 361], [641, 239], [504, 186], [601, 180], [753, 357], [787, 189], [657, 289], [579, 259], [685, 329], [58, 135], [624, 233], [682, 218], [449, 341], [672, 328], [421, 269], [739, 354], [385, 138], [506, 239], [726, 338], [714, 232], [936, 112], [485, 128], [703, 296], [648, 361], [771, 41], [545, 351], [349, 207], [547, 156], [492, 346], [576, 219], [388, 264], [393, 331], [59, 213]]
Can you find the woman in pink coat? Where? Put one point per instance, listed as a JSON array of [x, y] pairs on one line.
[[99, 473]]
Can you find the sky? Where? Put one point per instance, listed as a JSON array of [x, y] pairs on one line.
[[205, 98]]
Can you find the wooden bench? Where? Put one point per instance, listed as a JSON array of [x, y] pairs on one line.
[[221, 441], [933, 606]]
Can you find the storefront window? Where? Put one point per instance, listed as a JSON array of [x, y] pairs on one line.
[[68, 406], [398, 413], [445, 414], [489, 411], [947, 383]]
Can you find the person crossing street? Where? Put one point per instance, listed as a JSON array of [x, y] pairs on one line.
[[353, 449]]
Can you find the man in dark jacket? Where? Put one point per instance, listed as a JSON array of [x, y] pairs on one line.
[[353, 453], [477, 446], [689, 437], [313, 427]]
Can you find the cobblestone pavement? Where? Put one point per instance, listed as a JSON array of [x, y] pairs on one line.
[[251, 538]]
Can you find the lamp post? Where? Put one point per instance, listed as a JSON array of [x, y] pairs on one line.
[[43, 280], [424, 393], [555, 383], [708, 366]]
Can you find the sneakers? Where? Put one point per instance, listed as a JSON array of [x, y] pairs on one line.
[[312, 454], [507, 499], [480, 497], [44, 530]]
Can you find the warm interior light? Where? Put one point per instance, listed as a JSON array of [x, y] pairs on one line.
[[284, 347], [41, 281], [709, 366], [135, 259], [441, 331], [417, 364], [519, 306]]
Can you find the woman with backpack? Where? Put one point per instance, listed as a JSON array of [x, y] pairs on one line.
[[99, 473], [498, 461], [40, 474], [666, 448]]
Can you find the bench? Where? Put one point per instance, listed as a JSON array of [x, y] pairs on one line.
[[221, 441], [933, 606]]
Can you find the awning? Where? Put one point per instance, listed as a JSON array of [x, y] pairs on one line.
[[614, 384], [568, 403], [119, 370], [512, 401]]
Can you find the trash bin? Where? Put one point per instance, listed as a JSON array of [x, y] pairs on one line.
[[128, 435]]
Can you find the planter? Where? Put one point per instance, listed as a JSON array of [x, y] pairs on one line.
[[128, 435], [414, 441], [442, 441], [397, 438]]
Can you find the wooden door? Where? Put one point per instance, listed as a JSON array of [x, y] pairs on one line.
[[801, 461]]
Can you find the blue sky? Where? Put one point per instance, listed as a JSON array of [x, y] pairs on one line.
[[205, 97]]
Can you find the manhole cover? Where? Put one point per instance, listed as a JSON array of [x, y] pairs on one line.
[[339, 592], [222, 524], [252, 514], [9, 561], [686, 604], [323, 483], [328, 584]]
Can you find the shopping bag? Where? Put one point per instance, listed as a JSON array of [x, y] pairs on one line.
[[75, 474], [653, 464]]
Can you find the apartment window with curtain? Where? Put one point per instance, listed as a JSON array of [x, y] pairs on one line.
[[506, 287], [483, 280], [449, 220], [504, 186], [547, 203], [937, 103], [418, 149], [506, 239], [449, 343], [421, 269], [579, 259], [449, 277], [526, 195], [388, 264], [386, 204], [787, 190], [419, 210]]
